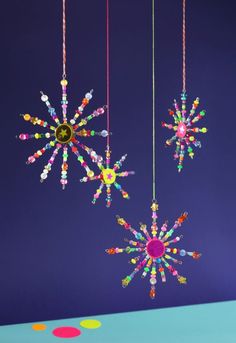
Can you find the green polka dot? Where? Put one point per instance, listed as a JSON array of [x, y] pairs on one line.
[[90, 324]]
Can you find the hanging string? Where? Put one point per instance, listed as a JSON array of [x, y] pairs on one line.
[[153, 106], [108, 72], [64, 39], [184, 47]]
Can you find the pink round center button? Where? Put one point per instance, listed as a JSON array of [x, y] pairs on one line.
[[181, 130], [155, 248], [66, 332]]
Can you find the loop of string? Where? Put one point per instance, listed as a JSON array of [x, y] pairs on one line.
[[184, 46], [64, 38], [108, 72], [153, 106]]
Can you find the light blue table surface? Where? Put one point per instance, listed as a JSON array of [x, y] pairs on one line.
[[206, 323]]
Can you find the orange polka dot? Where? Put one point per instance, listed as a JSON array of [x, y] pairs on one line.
[[39, 327]]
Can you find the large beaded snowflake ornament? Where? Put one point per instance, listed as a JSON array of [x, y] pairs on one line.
[[108, 176], [154, 251], [64, 135], [184, 130]]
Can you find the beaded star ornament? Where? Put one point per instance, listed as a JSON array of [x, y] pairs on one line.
[[155, 251], [184, 128], [64, 135], [108, 175]]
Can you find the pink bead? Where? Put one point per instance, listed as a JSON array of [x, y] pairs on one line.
[[31, 159], [22, 136], [100, 110]]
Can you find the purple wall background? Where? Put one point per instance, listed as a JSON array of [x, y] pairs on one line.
[[52, 243]]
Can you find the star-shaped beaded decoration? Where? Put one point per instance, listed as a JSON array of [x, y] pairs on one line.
[[64, 135], [108, 177], [154, 251], [184, 130]]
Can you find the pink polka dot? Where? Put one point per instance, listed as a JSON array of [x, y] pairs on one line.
[[66, 332]]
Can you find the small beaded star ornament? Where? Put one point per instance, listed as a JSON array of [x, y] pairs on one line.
[[154, 251], [183, 127], [64, 135], [108, 175]]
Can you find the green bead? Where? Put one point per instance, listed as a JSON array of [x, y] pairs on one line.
[[80, 158], [202, 113], [190, 149], [180, 166], [92, 133]]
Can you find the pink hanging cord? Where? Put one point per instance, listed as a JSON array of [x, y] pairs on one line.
[[108, 73]]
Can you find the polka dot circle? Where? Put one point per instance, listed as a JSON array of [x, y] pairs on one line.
[[90, 324], [39, 327], [66, 332]]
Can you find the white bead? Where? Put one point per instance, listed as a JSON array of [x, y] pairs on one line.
[[88, 96], [44, 97], [72, 121], [153, 281], [81, 109], [104, 133], [47, 135], [43, 176]]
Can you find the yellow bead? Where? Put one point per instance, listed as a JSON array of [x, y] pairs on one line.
[[154, 206], [174, 251], [182, 280], [64, 82], [90, 173], [120, 221], [26, 117], [191, 138], [204, 130]]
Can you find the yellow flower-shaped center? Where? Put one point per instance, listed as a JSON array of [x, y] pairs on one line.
[[108, 176], [64, 133]]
